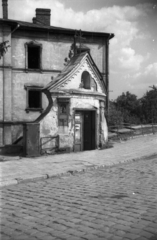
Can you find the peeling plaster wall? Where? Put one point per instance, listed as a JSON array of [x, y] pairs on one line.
[[49, 125]]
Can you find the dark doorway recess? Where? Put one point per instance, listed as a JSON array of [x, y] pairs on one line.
[[85, 131], [89, 130]]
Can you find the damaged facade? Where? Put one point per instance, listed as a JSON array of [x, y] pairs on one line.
[[35, 85]]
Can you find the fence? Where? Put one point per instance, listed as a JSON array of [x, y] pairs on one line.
[[49, 144], [130, 131]]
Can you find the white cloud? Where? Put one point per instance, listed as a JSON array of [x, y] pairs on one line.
[[151, 69], [142, 80], [130, 60], [122, 21]]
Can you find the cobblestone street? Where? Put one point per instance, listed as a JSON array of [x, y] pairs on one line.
[[117, 203]]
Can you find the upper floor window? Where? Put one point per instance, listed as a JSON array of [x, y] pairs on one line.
[[33, 55]]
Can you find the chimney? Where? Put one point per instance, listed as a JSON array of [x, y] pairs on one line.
[[5, 8], [42, 16]]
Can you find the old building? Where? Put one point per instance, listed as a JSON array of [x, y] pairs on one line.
[[67, 98]]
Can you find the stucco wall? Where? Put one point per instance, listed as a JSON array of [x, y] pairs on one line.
[[55, 49], [53, 52], [19, 96], [49, 124], [52, 57]]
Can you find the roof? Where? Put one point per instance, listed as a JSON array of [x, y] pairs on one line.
[[69, 70], [34, 26]]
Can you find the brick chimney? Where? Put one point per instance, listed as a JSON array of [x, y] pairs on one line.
[[5, 8], [43, 16]]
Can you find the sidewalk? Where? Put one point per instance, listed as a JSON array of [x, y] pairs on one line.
[[28, 169]]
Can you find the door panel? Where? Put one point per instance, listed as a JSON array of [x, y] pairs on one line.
[[78, 132]]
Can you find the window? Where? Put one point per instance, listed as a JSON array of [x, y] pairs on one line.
[[34, 99], [63, 111], [86, 80], [33, 56]]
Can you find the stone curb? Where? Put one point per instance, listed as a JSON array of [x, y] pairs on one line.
[[68, 173]]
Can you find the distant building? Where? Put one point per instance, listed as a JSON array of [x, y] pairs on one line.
[[35, 85]]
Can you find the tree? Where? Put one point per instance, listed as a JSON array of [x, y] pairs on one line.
[[115, 116], [149, 106], [129, 105]]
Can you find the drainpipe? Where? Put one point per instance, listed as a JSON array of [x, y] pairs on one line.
[[107, 76], [107, 73]]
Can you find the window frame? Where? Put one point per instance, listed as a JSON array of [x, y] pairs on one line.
[[33, 88], [33, 44]]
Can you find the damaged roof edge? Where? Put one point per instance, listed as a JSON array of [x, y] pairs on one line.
[[52, 28]]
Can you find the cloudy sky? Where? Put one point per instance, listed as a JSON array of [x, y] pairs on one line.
[[133, 50]]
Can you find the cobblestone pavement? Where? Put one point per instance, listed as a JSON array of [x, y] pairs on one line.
[[28, 169], [113, 203]]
